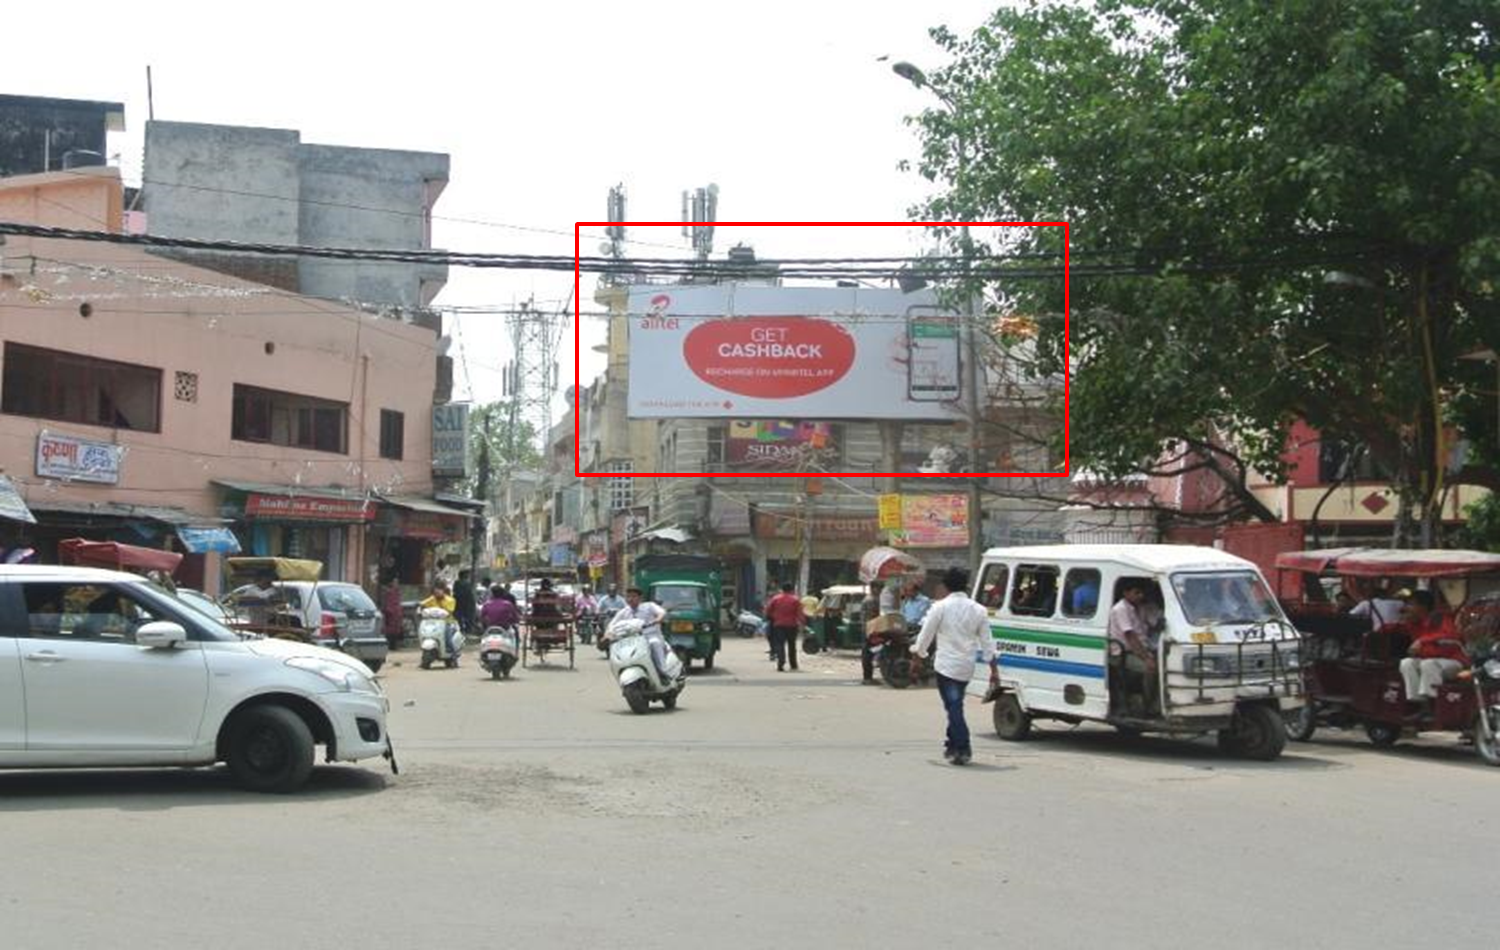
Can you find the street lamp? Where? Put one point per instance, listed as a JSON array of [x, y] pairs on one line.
[[917, 78]]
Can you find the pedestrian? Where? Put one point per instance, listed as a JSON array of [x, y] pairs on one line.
[[784, 614], [390, 606], [463, 599], [960, 628]]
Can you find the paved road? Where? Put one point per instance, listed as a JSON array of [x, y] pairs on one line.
[[786, 810]]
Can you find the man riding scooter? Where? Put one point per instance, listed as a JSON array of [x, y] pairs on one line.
[[650, 615]]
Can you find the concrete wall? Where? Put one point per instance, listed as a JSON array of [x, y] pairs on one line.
[[265, 185]]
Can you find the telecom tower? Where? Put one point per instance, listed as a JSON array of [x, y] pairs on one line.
[[531, 376]]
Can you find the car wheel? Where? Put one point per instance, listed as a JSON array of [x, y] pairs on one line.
[[1011, 721], [270, 749]]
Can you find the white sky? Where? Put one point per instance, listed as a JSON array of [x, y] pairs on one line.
[[542, 107]]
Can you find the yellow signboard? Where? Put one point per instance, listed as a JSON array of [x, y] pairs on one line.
[[890, 513]]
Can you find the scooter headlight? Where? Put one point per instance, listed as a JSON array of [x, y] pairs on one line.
[[1492, 669]]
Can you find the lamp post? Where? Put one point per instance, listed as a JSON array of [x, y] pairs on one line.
[[917, 78]]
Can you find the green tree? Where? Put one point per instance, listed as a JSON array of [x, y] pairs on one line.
[[509, 443], [1277, 210]]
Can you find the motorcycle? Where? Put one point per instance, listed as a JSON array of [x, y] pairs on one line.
[[1485, 677], [499, 649], [898, 666], [440, 637], [631, 662]]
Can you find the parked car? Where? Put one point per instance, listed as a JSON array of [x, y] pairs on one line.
[[333, 613], [104, 669]]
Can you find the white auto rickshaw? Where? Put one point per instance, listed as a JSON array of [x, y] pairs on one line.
[[1225, 658]]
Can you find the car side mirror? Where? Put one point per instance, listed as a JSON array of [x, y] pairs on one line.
[[160, 634]]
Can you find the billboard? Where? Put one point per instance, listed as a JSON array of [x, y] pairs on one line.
[[737, 351]]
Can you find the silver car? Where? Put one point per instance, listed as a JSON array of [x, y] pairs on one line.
[[332, 613]]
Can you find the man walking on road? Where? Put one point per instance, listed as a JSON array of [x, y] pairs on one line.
[[961, 628], [784, 615]]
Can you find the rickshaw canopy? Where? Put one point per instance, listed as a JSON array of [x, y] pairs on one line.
[[244, 570], [120, 557], [878, 564], [1384, 562]]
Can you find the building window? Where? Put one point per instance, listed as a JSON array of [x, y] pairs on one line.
[[392, 434], [49, 384], [621, 490], [716, 445], [303, 422]]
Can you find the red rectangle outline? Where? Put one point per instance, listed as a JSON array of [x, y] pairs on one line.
[[578, 472]]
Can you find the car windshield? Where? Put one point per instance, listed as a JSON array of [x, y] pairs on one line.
[[1225, 597], [344, 598], [678, 597], [204, 627]]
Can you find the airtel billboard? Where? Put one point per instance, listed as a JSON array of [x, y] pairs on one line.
[[756, 351]]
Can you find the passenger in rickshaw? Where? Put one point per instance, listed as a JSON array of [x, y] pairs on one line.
[[1132, 658], [1436, 654], [545, 604], [1379, 607]]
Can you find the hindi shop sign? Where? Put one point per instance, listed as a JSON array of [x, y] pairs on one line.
[[733, 351], [79, 460], [933, 521], [788, 525]]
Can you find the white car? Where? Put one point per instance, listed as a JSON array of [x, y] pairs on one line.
[[103, 669]]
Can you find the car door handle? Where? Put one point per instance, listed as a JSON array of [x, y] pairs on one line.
[[46, 656]]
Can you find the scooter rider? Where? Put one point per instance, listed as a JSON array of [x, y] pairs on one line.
[[611, 603], [650, 615]]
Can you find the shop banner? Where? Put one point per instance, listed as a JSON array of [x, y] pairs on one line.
[[303, 508], [788, 525], [78, 460], [933, 521], [775, 441]]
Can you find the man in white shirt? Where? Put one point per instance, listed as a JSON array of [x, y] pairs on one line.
[[1131, 656], [650, 615], [1379, 608], [961, 628]]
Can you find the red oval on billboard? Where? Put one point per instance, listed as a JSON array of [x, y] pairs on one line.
[[769, 357]]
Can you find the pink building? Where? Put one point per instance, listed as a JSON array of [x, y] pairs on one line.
[[141, 397]]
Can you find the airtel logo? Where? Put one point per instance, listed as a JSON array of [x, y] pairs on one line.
[[769, 357]]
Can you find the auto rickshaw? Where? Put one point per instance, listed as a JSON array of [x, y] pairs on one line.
[[1353, 676], [836, 623]]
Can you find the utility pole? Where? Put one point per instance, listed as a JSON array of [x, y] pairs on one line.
[[478, 530]]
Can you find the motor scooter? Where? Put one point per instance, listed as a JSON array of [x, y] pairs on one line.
[[749, 623], [499, 649], [631, 662], [440, 637]]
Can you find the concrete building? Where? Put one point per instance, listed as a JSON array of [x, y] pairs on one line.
[[141, 396], [267, 186], [40, 134]]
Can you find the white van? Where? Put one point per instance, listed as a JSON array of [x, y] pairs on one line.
[[1226, 658]]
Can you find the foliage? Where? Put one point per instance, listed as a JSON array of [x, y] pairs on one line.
[[1276, 210]]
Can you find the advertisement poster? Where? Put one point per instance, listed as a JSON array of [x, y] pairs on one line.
[[933, 521], [732, 351], [775, 441]]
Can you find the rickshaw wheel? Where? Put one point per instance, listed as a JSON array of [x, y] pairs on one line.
[[1011, 721], [1382, 734], [810, 645], [1488, 749], [1301, 725]]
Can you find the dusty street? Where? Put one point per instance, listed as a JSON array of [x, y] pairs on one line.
[[795, 809]]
